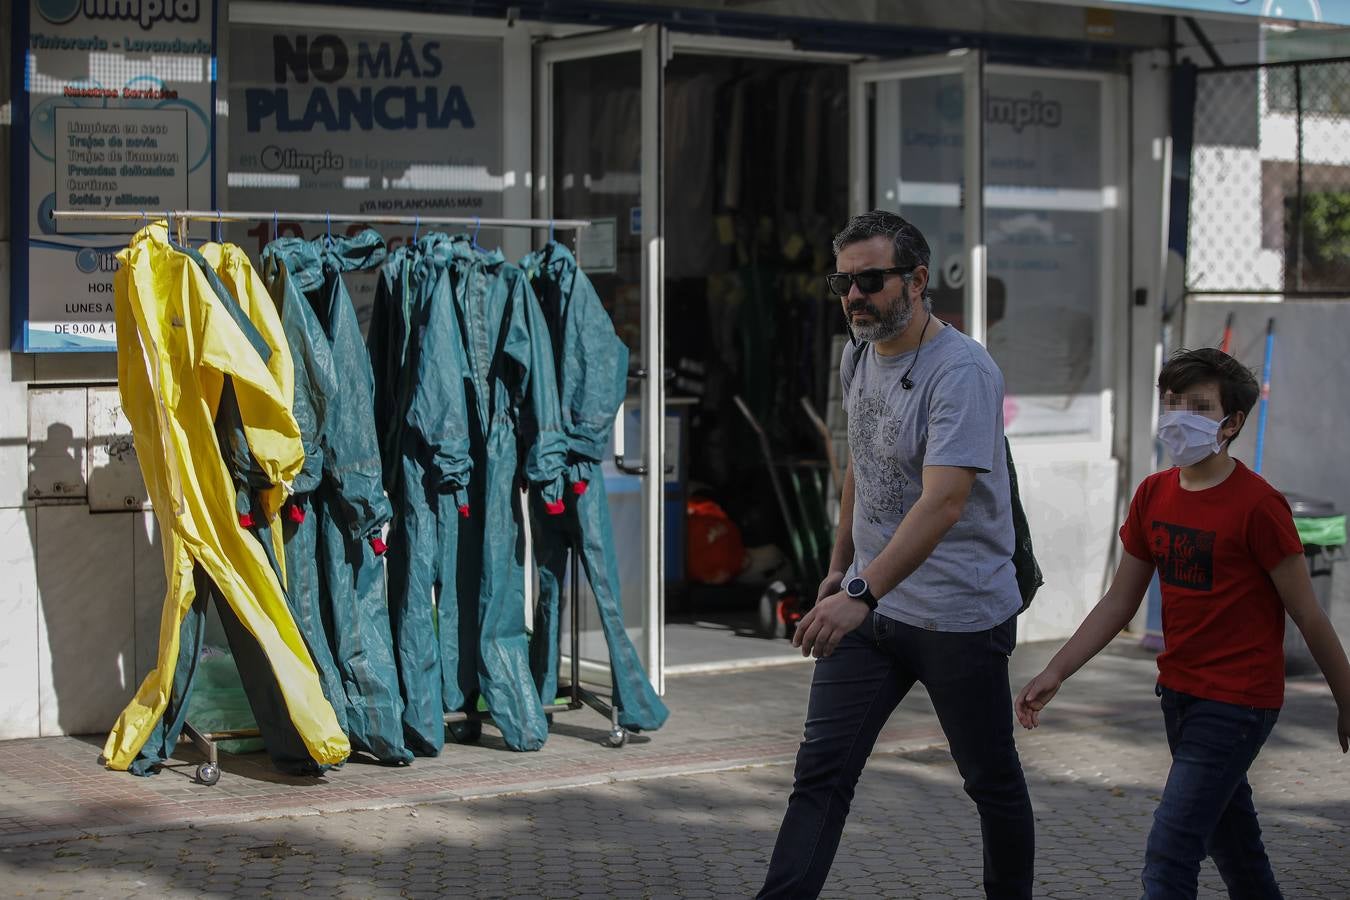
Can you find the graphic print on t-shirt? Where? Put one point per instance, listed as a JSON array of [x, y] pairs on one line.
[[1184, 556], [873, 432]]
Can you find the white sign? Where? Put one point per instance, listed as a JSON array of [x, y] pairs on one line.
[[597, 247], [120, 160]]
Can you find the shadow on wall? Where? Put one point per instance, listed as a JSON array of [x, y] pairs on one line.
[[100, 583]]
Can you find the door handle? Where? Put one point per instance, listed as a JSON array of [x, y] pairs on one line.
[[619, 443]]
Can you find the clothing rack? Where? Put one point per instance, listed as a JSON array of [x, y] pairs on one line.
[[227, 215], [578, 697]]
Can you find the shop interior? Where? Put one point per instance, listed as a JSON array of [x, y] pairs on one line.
[[756, 173]]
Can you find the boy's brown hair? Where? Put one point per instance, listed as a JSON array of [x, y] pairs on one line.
[[1238, 388]]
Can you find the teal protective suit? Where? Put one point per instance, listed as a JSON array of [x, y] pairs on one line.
[[348, 505], [514, 438], [592, 380], [417, 354], [315, 381]]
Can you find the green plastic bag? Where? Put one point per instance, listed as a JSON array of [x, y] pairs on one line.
[[1328, 531], [218, 701]]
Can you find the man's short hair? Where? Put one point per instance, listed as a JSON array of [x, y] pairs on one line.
[[910, 247], [1238, 389]]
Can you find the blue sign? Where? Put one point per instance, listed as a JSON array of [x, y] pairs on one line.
[[114, 111]]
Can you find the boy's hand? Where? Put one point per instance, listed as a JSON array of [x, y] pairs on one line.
[[1034, 697], [1343, 729]]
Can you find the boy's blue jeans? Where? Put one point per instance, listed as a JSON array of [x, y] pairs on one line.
[[853, 693], [1206, 808]]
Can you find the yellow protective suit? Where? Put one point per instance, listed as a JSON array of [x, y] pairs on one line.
[[176, 345]]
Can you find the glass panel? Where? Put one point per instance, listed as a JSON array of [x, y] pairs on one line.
[[597, 175], [1046, 203], [1046, 206], [918, 165]]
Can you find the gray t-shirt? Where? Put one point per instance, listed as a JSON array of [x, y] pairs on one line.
[[952, 417]]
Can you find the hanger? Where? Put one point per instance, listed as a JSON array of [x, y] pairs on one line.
[[417, 227]]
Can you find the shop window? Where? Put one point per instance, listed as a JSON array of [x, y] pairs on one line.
[[385, 123]]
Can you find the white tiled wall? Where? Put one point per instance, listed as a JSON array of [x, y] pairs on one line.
[[86, 626], [1070, 507], [19, 688]]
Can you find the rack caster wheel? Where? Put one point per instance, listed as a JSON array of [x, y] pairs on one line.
[[465, 732], [617, 737], [208, 774]]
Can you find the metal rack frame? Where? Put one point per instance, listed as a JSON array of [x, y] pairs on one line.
[[578, 697]]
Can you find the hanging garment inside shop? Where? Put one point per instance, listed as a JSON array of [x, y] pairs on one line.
[[348, 503], [592, 378], [187, 355], [418, 356], [515, 437]]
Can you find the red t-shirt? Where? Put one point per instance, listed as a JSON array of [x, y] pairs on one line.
[[1223, 621]]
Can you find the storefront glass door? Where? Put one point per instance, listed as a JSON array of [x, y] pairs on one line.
[[917, 139], [598, 105]]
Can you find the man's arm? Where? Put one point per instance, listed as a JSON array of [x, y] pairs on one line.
[[1294, 586], [1107, 619], [945, 491]]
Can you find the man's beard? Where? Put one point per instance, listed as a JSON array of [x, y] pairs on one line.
[[885, 324]]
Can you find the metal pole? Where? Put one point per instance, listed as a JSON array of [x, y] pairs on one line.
[[574, 594], [1298, 196], [226, 215]]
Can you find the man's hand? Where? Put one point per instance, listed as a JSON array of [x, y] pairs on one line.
[[821, 630], [1033, 698], [1343, 729], [833, 583]]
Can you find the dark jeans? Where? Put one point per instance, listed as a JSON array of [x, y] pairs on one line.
[[853, 693], [1206, 808]]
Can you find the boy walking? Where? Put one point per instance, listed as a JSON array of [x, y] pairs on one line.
[[1230, 563]]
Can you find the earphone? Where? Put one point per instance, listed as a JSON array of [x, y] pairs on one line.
[[905, 381]]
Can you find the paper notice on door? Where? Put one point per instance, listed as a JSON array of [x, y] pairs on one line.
[[597, 247]]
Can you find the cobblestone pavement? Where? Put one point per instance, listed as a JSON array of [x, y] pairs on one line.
[[1094, 776]]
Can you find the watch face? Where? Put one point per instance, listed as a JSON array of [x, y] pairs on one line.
[[856, 587]]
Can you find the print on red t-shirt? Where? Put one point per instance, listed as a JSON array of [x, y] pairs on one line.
[[1184, 556], [1223, 621]]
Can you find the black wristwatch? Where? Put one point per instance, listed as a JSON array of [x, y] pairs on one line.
[[857, 589]]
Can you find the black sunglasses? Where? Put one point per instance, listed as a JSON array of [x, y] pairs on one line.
[[869, 281]]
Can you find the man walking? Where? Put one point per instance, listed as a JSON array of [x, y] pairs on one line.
[[922, 586]]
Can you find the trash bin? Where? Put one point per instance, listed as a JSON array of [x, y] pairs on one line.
[[1321, 527]]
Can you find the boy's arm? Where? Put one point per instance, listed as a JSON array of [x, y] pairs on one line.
[[1296, 592], [1101, 626]]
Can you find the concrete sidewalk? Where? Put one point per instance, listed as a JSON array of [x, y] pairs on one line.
[[54, 787], [689, 811]]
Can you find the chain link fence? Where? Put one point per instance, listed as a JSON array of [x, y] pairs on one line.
[[1270, 181]]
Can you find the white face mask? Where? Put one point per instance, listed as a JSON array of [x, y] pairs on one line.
[[1189, 437]]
